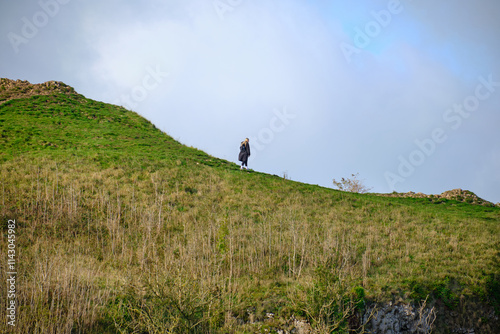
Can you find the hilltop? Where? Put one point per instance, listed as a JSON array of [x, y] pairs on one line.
[[123, 229], [17, 89]]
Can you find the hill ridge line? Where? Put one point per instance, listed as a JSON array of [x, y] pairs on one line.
[[17, 89]]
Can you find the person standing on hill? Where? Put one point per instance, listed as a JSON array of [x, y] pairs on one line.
[[244, 153]]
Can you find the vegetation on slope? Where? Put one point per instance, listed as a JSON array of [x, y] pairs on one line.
[[122, 229]]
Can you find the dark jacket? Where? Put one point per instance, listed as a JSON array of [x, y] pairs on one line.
[[244, 151]]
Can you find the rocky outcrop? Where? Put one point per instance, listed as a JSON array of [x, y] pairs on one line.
[[17, 89], [455, 194], [399, 318], [463, 196], [467, 317]]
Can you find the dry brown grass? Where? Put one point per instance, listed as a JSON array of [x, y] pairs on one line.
[[190, 248]]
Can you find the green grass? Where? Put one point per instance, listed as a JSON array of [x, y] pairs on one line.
[[122, 228]]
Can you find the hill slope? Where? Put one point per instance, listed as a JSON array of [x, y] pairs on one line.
[[121, 228]]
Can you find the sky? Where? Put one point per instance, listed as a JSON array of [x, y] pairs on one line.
[[405, 93]]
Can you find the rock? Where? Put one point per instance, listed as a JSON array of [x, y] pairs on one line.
[[301, 327], [399, 318]]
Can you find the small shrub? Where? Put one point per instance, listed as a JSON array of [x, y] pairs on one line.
[[358, 293], [443, 290], [353, 185]]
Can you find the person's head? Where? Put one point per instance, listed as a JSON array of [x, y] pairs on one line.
[[247, 140]]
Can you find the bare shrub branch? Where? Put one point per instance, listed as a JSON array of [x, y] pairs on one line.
[[353, 185]]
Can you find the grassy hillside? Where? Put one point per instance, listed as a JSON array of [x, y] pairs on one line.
[[122, 229]]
